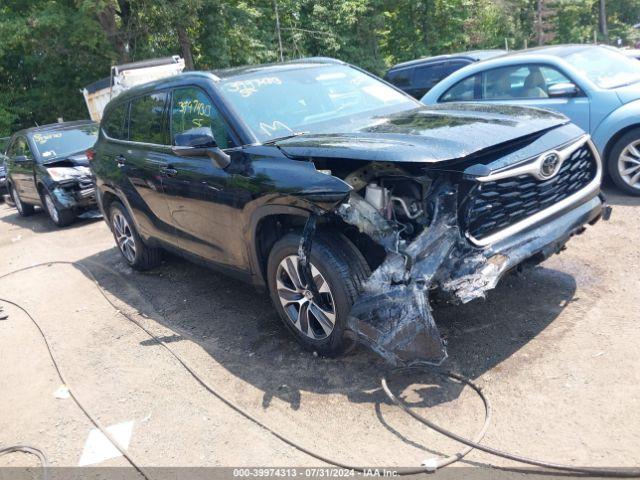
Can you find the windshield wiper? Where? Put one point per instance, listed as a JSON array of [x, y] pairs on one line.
[[285, 137]]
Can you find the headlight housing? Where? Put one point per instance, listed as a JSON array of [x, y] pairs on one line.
[[59, 174]]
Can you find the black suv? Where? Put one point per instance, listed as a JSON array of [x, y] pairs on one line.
[[417, 77], [48, 166], [308, 176]]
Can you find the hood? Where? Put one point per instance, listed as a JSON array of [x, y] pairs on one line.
[[427, 134], [629, 93], [74, 160]]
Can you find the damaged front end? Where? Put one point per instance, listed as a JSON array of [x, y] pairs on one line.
[[70, 183], [459, 234]]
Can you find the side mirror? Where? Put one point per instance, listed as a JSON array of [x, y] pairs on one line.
[[21, 159], [196, 137], [566, 89], [200, 142]]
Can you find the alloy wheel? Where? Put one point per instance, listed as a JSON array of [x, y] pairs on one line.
[[629, 164], [314, 317], [124, 236], [51, 208]]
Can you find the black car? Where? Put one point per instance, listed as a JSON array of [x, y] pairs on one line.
[[47, 166], [3, 168], [417, 77], [306, 177]]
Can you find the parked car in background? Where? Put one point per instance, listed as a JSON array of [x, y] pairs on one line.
[[597, 87], [3, 168], [416, 77], [47, 166], [229, 168], [631, 52]]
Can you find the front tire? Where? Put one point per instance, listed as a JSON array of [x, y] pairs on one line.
[[338, 269], [60, 217], [624, 162], [138, 255], [24, 209]]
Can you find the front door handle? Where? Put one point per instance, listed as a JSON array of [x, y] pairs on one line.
[[120, 161], [168, 171]]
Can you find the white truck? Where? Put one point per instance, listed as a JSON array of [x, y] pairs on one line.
[[125, 76]]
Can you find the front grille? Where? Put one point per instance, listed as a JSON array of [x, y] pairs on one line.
[[499, 204], [86, 182]]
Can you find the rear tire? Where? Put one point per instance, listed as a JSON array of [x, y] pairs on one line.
[[60, 217], [624, 162], [138, 255], [24, 209], [339, 270]]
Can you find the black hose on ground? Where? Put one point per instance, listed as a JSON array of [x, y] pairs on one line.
[[432, 466], [32, 451], [589, 471], [72, 394]]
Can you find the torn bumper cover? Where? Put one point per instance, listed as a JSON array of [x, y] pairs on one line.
[[393, 315], [75, 194]]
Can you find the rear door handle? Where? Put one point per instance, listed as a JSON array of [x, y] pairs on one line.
[[120, 161], [168, 171]]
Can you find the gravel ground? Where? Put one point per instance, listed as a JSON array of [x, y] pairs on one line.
[[555, 349]]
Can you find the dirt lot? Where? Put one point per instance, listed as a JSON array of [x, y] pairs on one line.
[[556, 350]]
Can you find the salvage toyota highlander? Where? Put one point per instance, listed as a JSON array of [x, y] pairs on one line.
[[47, 166], [350, 201]]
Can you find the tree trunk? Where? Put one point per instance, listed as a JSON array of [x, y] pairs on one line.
[[185, 47], [115, 36], [539, 26], [603, 20]]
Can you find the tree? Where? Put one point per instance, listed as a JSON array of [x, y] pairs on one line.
[[49, 49]]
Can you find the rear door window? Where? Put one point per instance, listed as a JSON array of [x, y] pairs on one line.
[[114, 123], [147, 119], [20, 146], [452, 66], [428, 75], [192, 108]]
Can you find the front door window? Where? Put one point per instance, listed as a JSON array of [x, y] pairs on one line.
[[520, 82], [191, 108]]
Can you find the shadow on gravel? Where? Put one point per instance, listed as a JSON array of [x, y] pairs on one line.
[[39, 222], [238, 327]]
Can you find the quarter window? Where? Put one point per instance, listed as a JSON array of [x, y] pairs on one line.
[[463, 91], [114, 124], [400, 78], [192, 108], [146, 121]]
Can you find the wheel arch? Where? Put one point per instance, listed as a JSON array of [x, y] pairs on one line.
[[276, 222], [614, 139], [267, 226]]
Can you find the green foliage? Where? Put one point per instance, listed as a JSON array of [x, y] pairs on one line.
[[50, 49], [576, 20]]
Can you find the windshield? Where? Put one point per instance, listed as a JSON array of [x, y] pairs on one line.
[[62, 143], [314, 99], [605, 67]]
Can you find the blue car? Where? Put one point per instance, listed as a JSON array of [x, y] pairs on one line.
[[597, 87]]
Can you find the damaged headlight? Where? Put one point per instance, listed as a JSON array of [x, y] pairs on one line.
[[60, 174]]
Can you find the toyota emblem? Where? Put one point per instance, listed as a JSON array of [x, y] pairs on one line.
[[550, 165]]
